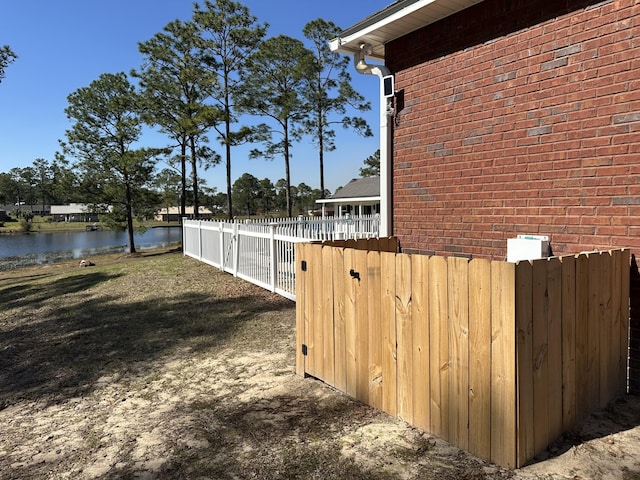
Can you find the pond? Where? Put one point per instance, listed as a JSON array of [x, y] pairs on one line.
[[38, 248]]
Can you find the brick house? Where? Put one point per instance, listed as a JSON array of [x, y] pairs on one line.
[[508, 117]]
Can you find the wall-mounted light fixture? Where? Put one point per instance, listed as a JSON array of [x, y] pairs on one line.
[[360, 58]]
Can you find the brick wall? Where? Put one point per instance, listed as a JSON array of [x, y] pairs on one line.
[[535, 131], [519, 117]]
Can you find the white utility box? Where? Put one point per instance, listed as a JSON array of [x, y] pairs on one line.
[[527, 247]]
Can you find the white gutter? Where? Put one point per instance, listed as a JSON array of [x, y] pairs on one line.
[[386, 109], [374, 198], [367, 39], [395, 21], [397, 11]]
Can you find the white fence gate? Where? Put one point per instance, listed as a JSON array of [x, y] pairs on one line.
[[264, 253]]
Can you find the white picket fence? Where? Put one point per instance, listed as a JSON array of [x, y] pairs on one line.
[[262, 252]]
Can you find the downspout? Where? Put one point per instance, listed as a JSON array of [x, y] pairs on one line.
[[386, 110]]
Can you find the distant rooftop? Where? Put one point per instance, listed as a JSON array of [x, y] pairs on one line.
[[360, 187]]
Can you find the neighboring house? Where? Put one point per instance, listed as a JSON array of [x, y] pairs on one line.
[[361, 196], [172, 214], [519, 117], [24, 208], [74, 212]]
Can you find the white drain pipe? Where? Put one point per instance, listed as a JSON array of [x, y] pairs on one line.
[[386, 111]]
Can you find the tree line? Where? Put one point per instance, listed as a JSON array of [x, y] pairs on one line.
[[198, 83], [42, 184]]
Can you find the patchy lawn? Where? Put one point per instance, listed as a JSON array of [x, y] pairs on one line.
[[158, 366]]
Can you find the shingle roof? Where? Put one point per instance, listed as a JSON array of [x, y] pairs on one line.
[[360, 187]]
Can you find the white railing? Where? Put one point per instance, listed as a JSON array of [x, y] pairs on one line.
[[263, 252]]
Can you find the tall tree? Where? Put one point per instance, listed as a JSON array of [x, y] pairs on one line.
[[43, 178], [65, 186], [6, 188], [168, 184], [26, 177], [329, 92], [229, 34], [267, 195], [304, 197], [107, 124], [246, 190], [176, 86], [13, 188], [216, 201], [7, 56], [280, 188], [372, 165], [274, 87]]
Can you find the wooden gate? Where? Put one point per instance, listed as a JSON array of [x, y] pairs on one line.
[[496, 358]]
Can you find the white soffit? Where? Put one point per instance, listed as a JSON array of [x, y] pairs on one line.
[[354, 200], [395, 21]]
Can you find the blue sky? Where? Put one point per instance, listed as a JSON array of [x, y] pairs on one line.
[[63, 45]]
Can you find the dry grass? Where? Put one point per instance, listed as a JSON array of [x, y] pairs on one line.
[[64, 326], [158, 366]]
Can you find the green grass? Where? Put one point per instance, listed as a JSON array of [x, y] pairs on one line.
[[43, 224]]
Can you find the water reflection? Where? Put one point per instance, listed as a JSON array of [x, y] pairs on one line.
[[39, 248]]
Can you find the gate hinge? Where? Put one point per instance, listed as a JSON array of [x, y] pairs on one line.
[[304, 349], [303, 265]]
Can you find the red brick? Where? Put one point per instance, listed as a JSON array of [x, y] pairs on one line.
[[508, 180]]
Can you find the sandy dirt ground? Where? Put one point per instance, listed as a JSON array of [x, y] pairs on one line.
[[188, 373]]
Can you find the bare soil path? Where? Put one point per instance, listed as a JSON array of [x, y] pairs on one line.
[[161, 367]]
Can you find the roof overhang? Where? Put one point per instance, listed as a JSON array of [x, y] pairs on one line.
[[352, 200], [395, 21]]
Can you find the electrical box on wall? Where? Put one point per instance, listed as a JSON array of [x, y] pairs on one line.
[[527, 247]]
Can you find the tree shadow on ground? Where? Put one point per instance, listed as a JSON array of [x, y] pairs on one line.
[[32, 295], [70, 340], [286, 436], [304, 434]]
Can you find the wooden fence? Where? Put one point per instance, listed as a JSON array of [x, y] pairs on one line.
[[497, 358]]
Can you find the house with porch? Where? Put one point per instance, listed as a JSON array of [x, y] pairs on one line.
[[361, 196], [172, 214], [73, 212], [20, 208]]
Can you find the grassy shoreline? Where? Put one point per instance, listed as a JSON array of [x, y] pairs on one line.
[[42, 225]]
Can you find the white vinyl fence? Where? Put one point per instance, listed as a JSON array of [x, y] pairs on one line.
[[262, 252]]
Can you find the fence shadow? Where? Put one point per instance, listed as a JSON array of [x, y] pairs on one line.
[[620, 415], [623, 413]]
